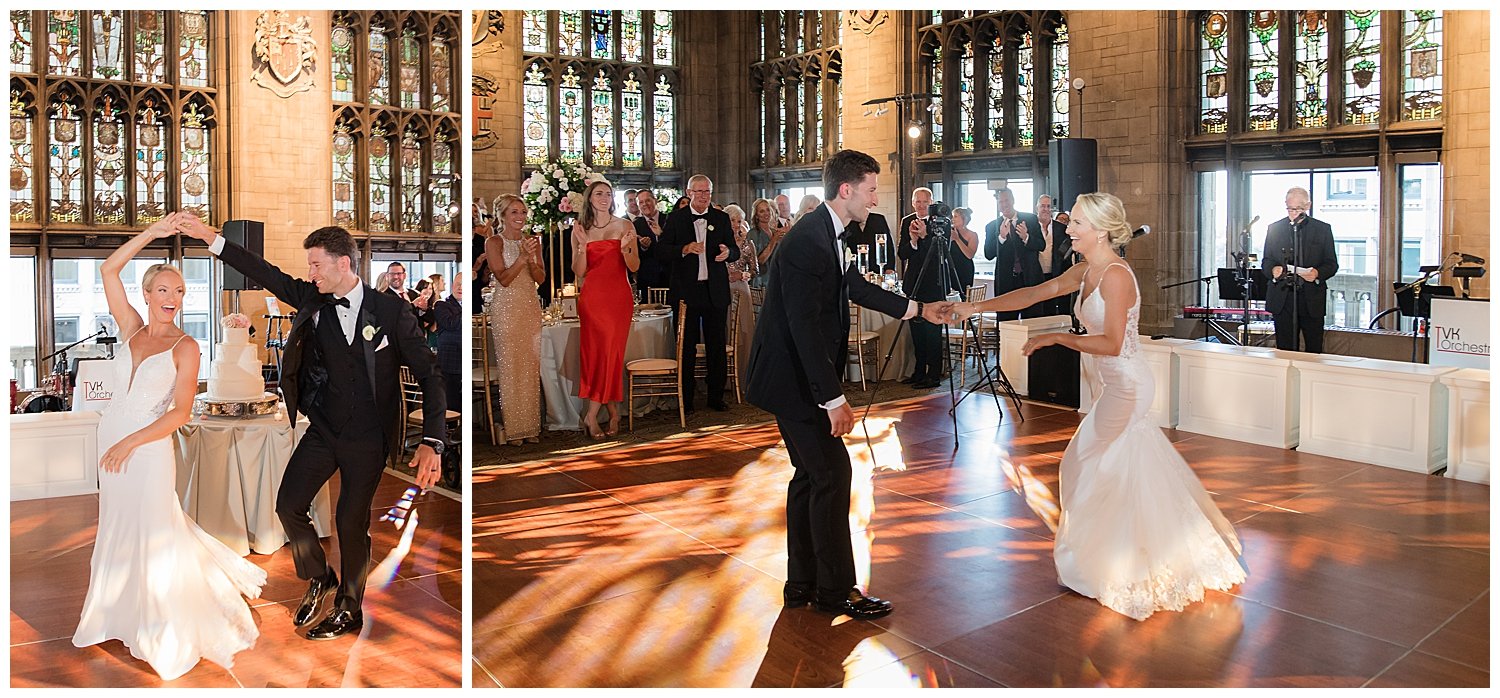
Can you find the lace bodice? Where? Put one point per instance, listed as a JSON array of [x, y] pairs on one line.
[[1090, 311], [147, 396]]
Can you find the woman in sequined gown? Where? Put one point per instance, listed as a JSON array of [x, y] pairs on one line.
[[515, 311], [604, 249], [157, 582], [1137, 532]]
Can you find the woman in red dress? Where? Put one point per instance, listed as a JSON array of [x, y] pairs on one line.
[[603, 251]]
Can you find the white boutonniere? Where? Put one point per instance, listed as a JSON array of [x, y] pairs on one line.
[[369, 332], [710, 228]]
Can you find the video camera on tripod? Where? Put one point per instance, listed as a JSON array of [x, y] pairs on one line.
[[940, 220]]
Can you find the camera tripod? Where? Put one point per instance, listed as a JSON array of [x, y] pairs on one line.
[[940, 257]]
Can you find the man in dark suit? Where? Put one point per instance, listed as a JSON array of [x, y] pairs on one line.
[[915, 248], [869, 234], [1301, 257], [1054, 257], [341, 369], [695, 247], [796, 366], [648, 229], [1012, 241]]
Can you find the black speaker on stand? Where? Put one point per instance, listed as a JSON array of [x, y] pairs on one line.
[[1073, 164], [250, 235], [1052, 374]]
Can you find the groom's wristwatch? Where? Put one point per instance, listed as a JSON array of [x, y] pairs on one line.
[[437, 445], [919, 315]]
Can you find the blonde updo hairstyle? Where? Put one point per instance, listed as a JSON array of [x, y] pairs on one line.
[[503, 202], [1107, 214], [152, 272]]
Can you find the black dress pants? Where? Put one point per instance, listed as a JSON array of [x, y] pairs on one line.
[[712, 321], [819, 552], [1309, 325], [359, 459]]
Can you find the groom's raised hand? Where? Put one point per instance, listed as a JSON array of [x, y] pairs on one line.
[[196, 229], [428, 466]]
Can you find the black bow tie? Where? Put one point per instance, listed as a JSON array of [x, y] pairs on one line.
[[843, 235], [334, 300]]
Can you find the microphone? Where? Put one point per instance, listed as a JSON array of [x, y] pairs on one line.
[[1469, 259], [1140, 232], [1252, 222]]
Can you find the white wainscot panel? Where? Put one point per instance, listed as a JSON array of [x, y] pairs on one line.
[[54, 454], [1164, 367], [1389, 413], [1468, 424], [1239, 393]]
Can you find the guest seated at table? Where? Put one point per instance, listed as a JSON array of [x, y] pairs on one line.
[[515, 310], [741, 271], [604, 249], [449, 315]]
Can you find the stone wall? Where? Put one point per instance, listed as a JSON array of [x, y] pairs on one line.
[[497, 63], [1466, 138]]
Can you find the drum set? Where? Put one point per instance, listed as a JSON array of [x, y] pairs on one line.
[[55, 394]]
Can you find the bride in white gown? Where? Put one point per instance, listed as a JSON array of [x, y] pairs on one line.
[[158, 583], [1138, 532]]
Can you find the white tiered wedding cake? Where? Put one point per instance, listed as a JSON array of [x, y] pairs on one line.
[[235, 374]]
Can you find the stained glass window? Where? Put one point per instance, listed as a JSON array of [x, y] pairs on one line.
[[936, 108], [150, 49], [344, 174], [799, 117], [65, 162], [1264, 72], [192, 43], [1312, 69], [442, 180], [816, 88], [816, 34], [838, 119], [63, 43], [20, 41], [342, 41], [796, 30], [997, 96], [150, 164], [661, 38], [570, 33], [380, 179], [1213, 54], [1060, 88], [1361, 66], [1025, 119], [534, 31], [570, 107], [966, 98], [632, 123], [22, 196], [936, 18], [379, 60], [536, 114], [107, 55], [413, 212], [109, 170], [1422, 67], [631, 46], [664, 124], [442, 72], [781, 143], [411, 69], [601, 32], [602, 121], [763, 19], [196, 161]]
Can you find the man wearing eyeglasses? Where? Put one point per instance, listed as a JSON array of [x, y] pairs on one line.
[[1300, 259], [696, 246]]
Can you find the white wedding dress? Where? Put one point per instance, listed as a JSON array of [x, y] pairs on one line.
[[158, 583], [1138, 532]]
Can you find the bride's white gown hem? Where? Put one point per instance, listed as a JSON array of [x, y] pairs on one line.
[[1138, 532], [157, 582]]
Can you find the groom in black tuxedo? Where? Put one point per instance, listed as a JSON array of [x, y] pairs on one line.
[[796, 365], [341, 369], [696, 246]]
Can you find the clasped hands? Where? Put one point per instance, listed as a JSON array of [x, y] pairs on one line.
[[697, 248]]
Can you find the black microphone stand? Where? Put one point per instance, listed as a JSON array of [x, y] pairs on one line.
[[1295, 280]]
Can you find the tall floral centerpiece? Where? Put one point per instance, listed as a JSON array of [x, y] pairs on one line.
[[554, 196]]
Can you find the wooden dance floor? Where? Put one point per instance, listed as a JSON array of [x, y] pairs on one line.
[[413, 624], [662, 565]]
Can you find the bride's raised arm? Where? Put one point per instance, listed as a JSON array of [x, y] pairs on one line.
[[126, 318]]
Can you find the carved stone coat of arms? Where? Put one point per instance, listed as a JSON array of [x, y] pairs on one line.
[[286, 55]]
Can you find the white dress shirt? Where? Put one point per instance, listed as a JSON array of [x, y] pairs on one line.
[[346, 316], [840, 254], [700, 228]]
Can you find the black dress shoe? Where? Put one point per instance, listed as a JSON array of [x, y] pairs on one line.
[[718, 406], [337, 624], [914, 378], [797, 595], [313, 601], [928, 384], [855, 605]]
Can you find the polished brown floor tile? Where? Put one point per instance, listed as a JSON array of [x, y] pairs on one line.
[[662, 565], [412, 617], [482, 678]]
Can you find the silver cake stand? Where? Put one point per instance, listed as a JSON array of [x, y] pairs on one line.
[[205, 406]]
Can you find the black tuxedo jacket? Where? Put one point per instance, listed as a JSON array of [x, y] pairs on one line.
[[389, 318], [1013, 249], [1061, 246], [682, 270], [914, 256], [651, 273], [867, 234], [802, 336], [1316, 250]]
